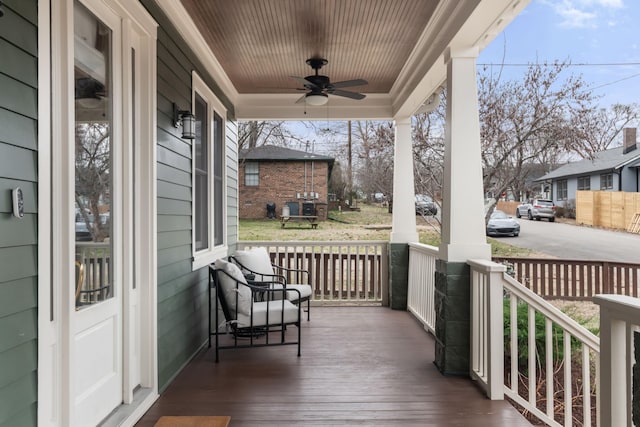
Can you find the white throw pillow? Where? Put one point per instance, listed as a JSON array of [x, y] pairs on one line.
[[256, 259], [229, 288]]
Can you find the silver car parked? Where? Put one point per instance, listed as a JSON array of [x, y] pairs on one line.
[[537, 208]]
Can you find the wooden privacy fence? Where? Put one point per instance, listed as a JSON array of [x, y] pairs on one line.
[[572, 279], [610, 209], [344, 272]]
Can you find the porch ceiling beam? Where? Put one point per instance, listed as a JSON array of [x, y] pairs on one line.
[[455, 24]]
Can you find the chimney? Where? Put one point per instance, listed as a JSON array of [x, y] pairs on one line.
[[628, 140]]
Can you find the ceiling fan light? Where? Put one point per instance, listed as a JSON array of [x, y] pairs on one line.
[[317, 99]]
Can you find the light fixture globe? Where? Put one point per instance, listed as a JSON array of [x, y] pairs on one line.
[[316, 99], [185, 119]]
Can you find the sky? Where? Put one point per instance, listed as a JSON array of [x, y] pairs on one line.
[[605, 34]]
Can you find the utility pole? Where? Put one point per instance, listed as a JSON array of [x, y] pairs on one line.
[[349, 170]]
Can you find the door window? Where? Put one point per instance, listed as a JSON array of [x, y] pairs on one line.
[[93, 158]]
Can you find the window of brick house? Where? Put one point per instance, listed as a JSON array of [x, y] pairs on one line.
[[251, 174]]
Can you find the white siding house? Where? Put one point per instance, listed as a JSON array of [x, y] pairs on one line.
[[616, 169]]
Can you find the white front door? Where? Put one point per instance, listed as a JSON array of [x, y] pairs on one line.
[[97, 317], [100, 145]]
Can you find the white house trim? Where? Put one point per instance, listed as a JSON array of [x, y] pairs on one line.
[[463, 229], [403, 228]]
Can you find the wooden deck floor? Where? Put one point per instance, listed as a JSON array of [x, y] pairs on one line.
[[360, 366]]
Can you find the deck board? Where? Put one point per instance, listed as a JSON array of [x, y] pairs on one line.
[[360, 366]]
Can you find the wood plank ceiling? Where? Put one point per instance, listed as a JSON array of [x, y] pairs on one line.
[[261, 43]]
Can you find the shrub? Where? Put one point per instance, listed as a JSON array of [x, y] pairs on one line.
[[522, 325]]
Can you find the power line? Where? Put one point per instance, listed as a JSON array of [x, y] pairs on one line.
[[552, 64], [615, 81]]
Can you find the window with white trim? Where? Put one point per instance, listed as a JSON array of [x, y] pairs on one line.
[[561, 190], [584, 183], [251, 174], [209, 183]]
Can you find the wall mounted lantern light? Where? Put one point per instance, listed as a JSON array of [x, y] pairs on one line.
[[187, 120]]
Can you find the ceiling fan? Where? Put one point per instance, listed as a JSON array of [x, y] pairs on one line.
[[320, 87]]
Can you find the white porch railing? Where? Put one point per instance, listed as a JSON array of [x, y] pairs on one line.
[[553, 359], [619, 330], [341, 272], [422, 271], [93, 274]]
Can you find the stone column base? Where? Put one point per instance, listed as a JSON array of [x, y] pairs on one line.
[[453, 317], [398, 275]]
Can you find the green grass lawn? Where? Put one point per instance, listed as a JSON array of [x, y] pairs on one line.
[[372, 222]]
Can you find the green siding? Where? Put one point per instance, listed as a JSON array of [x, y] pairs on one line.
[[18, 244], [182, 293]]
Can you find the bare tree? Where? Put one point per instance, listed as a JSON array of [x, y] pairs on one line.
[[522, 122], [373, 149], [599, 131], [428, 150], [93, 177], [253, 134]]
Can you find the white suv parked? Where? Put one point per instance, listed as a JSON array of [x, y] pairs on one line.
[[537, 208]]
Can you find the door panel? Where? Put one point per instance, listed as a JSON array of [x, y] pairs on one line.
[[96, 325]]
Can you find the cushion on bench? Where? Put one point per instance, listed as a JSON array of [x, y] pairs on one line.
[[230, 287], [275, 314]]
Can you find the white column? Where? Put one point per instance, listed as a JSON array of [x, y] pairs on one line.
[[404, 211], [463, 227]]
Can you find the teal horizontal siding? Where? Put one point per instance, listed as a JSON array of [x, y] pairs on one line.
[[169, 190], [18, 237], [17, 402], [18, 163], [18, 130], [182, 301], [18, 295], [22, 67], [17, 97], [17, 30], [17, 262], [17, 329]]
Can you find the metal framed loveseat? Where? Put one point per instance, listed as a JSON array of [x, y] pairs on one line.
[[255, 313]]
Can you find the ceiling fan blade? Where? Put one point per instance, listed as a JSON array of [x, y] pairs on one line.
[[301, 99], [306, 83], [347, 94], [347, 83]]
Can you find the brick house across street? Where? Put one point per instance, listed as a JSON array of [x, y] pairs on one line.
[[270, 175]]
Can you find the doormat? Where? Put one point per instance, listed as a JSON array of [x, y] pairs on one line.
[[200, 421]]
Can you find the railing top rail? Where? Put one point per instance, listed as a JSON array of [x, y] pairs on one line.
[[486, 265], [620, 307], [565, 261], [92, 244], [313, 242], [554, 314], [427, 249]]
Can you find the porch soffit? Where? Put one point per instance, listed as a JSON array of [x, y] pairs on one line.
[[252, 47]]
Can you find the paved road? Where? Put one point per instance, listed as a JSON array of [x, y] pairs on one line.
[[577, 242]]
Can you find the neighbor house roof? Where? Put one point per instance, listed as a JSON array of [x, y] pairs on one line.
[[603, 161], [274, 153]]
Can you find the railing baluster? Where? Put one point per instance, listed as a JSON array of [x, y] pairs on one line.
[[568, 395], [586, 387], [531, 338], [548, 353]]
